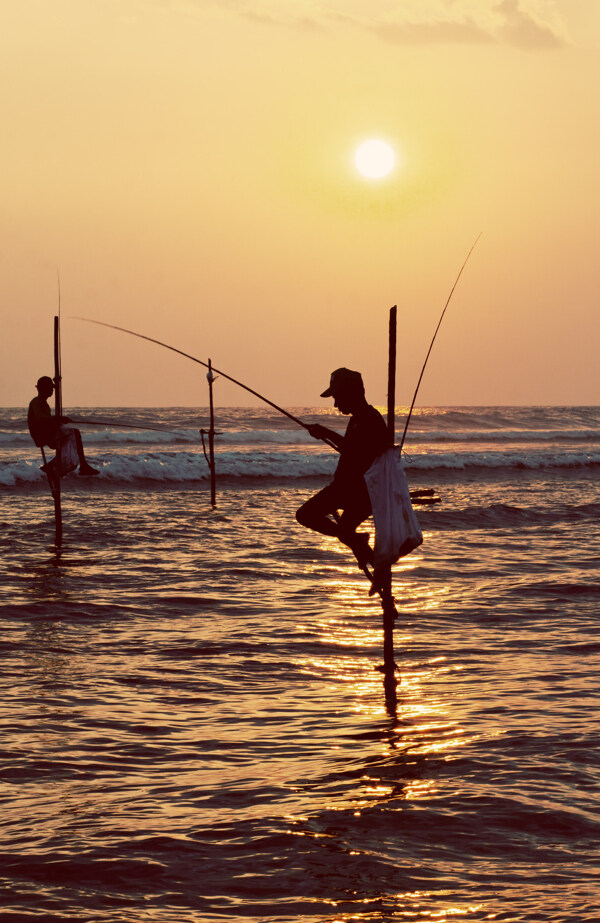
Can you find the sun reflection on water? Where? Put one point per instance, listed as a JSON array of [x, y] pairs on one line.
[[396, 754], [404, 906], [423, 725]]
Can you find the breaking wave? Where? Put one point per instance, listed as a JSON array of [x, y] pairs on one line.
[[180, 466]]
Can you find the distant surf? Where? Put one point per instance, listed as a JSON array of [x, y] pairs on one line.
[[258, 444]]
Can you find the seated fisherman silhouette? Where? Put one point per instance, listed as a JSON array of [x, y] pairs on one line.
[[47, 430], [365, 438]]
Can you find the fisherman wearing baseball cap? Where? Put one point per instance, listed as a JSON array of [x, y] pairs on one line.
[[44, 428], [366, 437]]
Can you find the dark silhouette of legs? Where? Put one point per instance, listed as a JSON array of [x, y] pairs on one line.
[[320, 514], [84, 467]]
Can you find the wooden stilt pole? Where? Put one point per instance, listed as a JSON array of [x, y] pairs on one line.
[[56, 475], [387, 599], [391, 410], [211, 437]]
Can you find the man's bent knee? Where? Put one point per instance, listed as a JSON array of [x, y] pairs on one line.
[[301, 516]]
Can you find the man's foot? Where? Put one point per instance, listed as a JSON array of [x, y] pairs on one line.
[[381, 580], [87, 470], [361, 548]]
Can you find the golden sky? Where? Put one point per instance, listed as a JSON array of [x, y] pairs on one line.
[[187, 166]]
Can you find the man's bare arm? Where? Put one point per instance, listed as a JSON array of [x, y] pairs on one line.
[[322, 432]]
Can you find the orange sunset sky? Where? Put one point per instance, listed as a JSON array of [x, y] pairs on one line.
[[188, 167]]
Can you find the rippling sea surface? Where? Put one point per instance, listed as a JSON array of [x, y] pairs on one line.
[[193, 725]]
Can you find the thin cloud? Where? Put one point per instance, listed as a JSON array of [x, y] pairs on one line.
[[528, 30], [522, 23], [423, 33], [505, 22]]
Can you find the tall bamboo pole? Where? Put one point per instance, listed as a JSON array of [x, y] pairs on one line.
[[58, 415], [387, 602], [211, 437], [391, 411]]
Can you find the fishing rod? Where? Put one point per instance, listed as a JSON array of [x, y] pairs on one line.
[[180, 352], [433, 341], [141, 336]]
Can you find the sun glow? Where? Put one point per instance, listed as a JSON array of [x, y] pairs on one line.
[[374, 159]]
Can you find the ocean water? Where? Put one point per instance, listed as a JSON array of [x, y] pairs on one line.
[[193, 725]]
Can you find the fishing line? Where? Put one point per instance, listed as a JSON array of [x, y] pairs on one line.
[[433, 341], [128, 424]]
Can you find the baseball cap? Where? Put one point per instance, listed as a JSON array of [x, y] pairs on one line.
[[344, 381]]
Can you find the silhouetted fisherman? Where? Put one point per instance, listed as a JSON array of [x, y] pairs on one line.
[[366, 437], [48, 430]]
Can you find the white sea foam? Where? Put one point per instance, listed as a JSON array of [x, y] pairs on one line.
[[20, 472], [300, 437], [261, 444], [182, 466]]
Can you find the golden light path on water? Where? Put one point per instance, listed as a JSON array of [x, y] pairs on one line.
[[201, 688], [416, 917], [423, 726]]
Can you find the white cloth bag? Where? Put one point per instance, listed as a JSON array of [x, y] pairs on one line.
[[69, 456], [397, 530]]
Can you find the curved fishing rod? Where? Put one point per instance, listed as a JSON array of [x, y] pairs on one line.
[[261, 397], [433, 341], [141, 336]]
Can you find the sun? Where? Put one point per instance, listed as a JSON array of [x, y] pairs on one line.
[[375, 159]]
